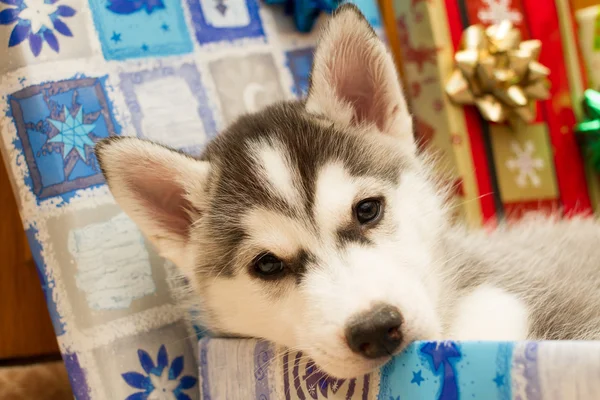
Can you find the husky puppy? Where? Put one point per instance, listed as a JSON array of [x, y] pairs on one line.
[[317, 224]]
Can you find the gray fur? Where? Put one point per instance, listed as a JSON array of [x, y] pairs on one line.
[[311, 142], [554, 265]]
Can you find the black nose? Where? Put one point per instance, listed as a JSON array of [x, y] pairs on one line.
[[376, 333]]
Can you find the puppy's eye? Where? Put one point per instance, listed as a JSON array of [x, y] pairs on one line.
[[368, 211], [268, 266]]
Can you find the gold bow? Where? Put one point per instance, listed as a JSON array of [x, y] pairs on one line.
[[499, 73]]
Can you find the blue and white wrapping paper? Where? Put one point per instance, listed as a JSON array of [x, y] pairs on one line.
[[250, 369], [175, 71]]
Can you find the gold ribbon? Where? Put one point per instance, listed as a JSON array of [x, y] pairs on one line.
[[499, 73]]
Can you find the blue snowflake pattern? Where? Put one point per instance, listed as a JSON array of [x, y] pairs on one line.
[[159, 381], [36, 21], [131, 6], [73, 133]]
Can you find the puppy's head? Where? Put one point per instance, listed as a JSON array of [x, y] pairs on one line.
[[313, 224]]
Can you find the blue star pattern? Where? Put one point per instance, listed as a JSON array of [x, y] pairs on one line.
[[417, 378], [57, 126], [449, 371], [159, 380], [499, 380], [72, 133], [116, 37], [36, 21], [141, 28]]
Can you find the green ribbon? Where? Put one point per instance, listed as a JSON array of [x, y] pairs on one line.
[[588, 131]]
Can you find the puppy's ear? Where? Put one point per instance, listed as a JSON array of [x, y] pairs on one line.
[[161, 190], [354, 80]]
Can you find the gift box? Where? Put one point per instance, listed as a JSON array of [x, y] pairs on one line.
[[588, 36], [588, 21], [248, 369], [499, 168]]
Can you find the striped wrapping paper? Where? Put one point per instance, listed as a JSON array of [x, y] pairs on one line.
[[249, 369]]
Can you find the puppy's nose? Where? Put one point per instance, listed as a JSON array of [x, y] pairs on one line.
[[376, 333]]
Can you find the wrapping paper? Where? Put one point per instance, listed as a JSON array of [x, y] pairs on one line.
[[73, 72], [588, 21], [588, 35], [244, 369], [497, 170]]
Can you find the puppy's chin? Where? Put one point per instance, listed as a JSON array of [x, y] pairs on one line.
[[342, 364]]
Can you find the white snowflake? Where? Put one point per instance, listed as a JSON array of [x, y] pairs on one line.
[[525, 164], [335, 386], [497, 11]]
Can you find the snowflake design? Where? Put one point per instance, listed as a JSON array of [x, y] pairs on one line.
[[36, 21], [525, 164], [72, 133], [419, 55], [498, 11], [317, 381], [159, 382]]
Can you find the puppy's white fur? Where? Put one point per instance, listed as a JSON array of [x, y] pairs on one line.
[[490, 313]]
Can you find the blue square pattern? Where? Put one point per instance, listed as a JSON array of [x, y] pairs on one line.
[[144, 28], [220, 20], [58, 124], [154, 96], [300, 63]]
